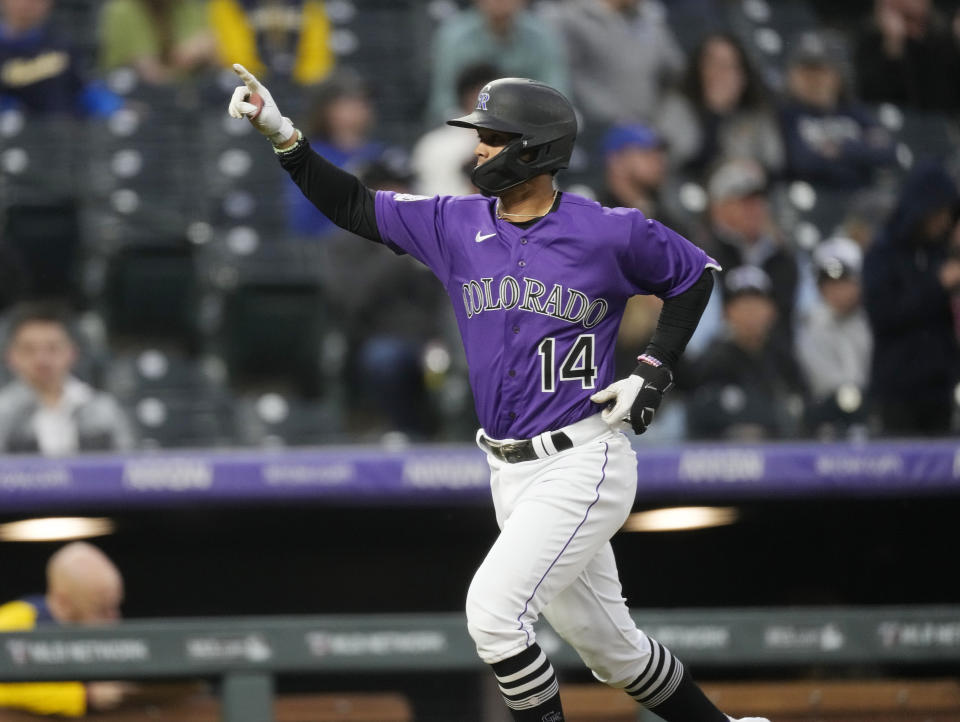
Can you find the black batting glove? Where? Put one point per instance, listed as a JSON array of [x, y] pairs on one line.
[[657, 380]]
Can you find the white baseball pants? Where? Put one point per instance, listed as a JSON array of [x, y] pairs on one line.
[[553, 555]]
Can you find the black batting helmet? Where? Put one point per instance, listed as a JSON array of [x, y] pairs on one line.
[[543, 121]]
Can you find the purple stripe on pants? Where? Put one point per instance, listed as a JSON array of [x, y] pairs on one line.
[[526, 604]]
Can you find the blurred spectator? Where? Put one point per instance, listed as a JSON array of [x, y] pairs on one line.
[[386, 348], [636, 172], [442, 157], [46, 410], [834, 342], [271, 39], [39, 73], [747, 387], [84, 588], [338, 121], [494, 31], [621, 54], [163, 40], [741, 232], [907, 276], [722, 111], [830, 139], [909, 54]]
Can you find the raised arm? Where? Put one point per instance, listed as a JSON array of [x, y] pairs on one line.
[[340, 196]]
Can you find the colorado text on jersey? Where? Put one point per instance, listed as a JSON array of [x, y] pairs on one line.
[[568, 305]]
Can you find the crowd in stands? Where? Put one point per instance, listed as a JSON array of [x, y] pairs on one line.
[[814, 155]]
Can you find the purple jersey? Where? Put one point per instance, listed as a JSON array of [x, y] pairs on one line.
[[538, 308]]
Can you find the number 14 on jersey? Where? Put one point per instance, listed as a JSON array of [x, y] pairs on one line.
[[577, 365]]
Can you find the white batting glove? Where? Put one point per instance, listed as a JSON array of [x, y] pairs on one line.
[[268, 121], [619, 397]]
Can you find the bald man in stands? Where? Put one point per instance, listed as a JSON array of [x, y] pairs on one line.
[[83, 587]]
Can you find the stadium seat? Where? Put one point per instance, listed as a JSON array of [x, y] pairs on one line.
[[151, 293], [272, 332], [45, 239], [271, 319]]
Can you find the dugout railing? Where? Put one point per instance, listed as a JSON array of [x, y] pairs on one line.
[[247, 654]]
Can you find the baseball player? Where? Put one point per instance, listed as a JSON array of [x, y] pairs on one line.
[[539, 280]]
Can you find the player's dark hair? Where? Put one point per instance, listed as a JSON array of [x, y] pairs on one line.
[[38, 312], [754, 96]]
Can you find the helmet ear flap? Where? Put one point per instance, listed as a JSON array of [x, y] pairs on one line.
[[531, 155], [545, 157]]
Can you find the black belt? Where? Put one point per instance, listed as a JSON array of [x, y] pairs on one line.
[[516, 451]]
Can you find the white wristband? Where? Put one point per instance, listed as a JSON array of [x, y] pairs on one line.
[[284, 133]]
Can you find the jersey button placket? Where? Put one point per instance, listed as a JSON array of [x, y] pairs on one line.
[[512, 384]]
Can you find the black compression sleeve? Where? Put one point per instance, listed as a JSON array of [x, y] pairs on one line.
[[678, 320], [340, 196]]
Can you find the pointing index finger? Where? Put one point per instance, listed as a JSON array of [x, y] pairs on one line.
[[253, 85]]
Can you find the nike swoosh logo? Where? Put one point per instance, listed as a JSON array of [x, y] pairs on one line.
[[478, 238]]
